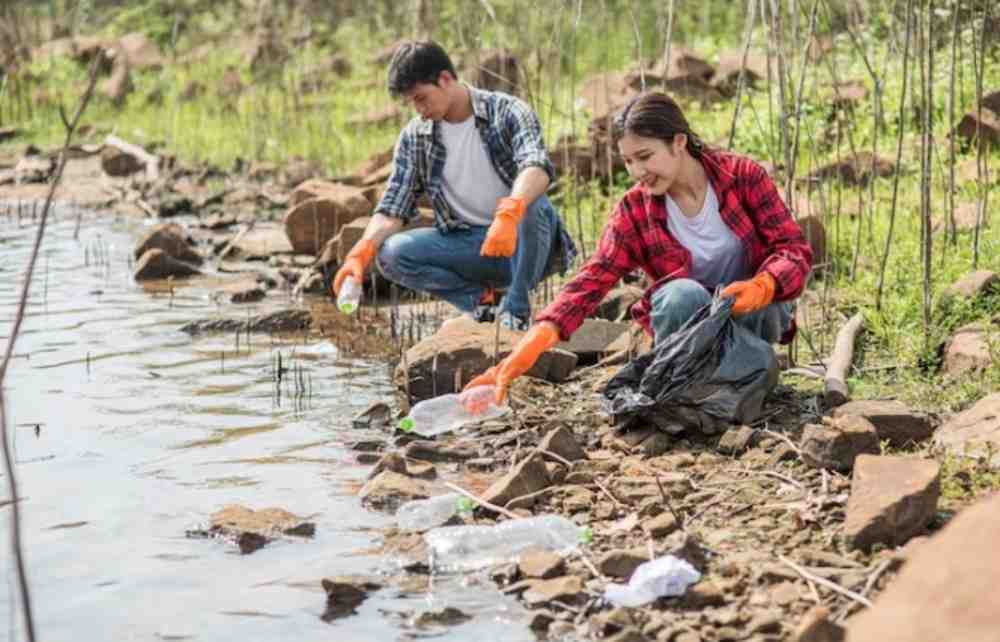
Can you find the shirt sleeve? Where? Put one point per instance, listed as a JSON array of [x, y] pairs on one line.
[[616, 256], [524, 132], [789, 255], [400, 196]]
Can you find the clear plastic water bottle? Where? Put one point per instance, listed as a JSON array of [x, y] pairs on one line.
[[666, 576], [445, 413], [467, 548], [427, 513], [350, 295]]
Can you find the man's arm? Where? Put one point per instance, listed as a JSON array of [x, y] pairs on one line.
[[380, 228], [531, 183]]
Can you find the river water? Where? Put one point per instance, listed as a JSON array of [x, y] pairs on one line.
[[128, 432]]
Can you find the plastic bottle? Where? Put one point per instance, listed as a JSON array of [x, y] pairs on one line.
[[441, 414], [666, 576], [435, 511], [350, 295], [467, 548]]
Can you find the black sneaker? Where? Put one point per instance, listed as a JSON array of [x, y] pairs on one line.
[[513, 322], [484, 313]]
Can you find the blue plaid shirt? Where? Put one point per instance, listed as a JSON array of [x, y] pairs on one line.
[[513, 139]]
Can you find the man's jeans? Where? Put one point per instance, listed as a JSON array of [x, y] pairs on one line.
[[676, 301], [448, 266]]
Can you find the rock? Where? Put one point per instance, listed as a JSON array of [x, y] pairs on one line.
[[389, 489], [991, 101], [140, 52], [893, 421], [119, 84], [172, 239], [562, 442], [973, 285], [496, 70], [465, 345], [541, 564], [853, 170], [662, 524], [567, 590], [596, 338], [247, 294], [269, 522], [848, 95], [765, 623], [971, 124], [947, 591], [815, 234], [817, 627], [377, 415], [618, 302], [702, 595], [261, 242], [837, 442], [604, 94], [974, 432], [280, 321], [736, 440], [344, 595], [526, 477], [396, 463], [449, 616], [967, 349], [578, 501], [684, 63], [727, 72], [892, 499], [309, 224], [621, 563], [436, 452], [33, 169], [118, 163], [685, 546], [174, 205], [627, 635], [157, 264]]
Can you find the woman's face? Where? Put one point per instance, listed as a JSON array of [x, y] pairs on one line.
[[651, 161]]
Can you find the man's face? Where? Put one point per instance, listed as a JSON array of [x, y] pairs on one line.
[[429, 100]]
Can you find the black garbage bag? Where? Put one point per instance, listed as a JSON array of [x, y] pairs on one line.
[[710, 373]]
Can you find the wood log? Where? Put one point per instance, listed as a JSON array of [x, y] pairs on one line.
[[840, 360]]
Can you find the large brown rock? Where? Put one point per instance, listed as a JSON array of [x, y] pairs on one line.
[[973, 285], [605, 93], [893, 421], [728, 71], [311, 222], [567, 589], [466, 345], [119, 84], [621, 563], [972, 125], [119, 163], [595, 338], [836, 443], [967, 349], [526, 477], [389, 489], [561, 442], [947, 590], [854, 169], [974, 432], [892, 499], [684, 63], [172, 239], [496, 70], [140, 51], [157, 264], [263, 241]]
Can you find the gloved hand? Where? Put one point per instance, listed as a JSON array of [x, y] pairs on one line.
[[539, 338], [501, 238], [355, 264], [751, 295]]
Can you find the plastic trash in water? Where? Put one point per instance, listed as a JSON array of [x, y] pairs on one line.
[[666, 576], [448, 412], [435, 511], [350, 295], [467, 548]]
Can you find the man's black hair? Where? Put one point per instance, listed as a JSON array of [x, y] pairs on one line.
[[414, 62]]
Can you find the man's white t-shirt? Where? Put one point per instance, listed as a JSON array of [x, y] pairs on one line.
[[471, 185], [717, 255]]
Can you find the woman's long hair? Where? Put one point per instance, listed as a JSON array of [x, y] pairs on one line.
[[653, 114]]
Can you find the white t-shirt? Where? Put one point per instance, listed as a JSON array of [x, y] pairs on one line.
[[717, 255], [471, 184]]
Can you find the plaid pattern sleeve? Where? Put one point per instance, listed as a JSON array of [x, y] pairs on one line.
[[788, 255], [525, 134], [405, 184], [616, 256]]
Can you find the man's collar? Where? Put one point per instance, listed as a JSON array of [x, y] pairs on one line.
[[480, 109]]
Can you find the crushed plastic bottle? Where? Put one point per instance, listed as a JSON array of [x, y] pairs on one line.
[[350, 295], [445, 413], [435, 511], [467, 548], [666, 576]]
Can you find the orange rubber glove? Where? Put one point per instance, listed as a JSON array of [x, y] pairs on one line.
[[539, 338], [751, 295], [355, 263], [501, 238]]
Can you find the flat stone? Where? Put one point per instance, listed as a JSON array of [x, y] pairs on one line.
[[310, 223], [526, 477], [344, 595], [662, 524], [893, 421], [157, 264], [541, 564], [835, 443], [595, 338], [736, 440], [974, 432], [973, 285], [947, 591], [172, 239], [377, 415], [622, 563], [702, 595], [261, 242], [436, 452], [388, 489], [967, 349], [562, 442], [892, 499], [567, 590]]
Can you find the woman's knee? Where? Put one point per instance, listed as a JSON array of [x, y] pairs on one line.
[[680, 293]]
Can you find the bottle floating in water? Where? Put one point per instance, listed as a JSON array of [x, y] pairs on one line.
[[350, 295], [448, 412], [467, 548], [428, 513]]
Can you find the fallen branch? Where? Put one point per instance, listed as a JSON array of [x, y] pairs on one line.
[[837, 392], [822, 581]]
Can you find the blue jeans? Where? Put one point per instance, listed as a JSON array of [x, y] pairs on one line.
[[448, 266], [676, 301]]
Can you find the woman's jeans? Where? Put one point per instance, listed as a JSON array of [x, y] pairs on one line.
[[448, 266], [676, 301]]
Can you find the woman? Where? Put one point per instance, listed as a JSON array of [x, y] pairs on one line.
[[696, 219]]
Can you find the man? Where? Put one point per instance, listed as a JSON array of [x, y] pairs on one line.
[[480, 158]]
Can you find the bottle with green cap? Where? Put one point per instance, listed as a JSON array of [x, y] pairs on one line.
[[448, 412], [350, 295]]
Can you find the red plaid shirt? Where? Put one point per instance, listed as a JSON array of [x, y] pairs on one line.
[[636, 236]]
